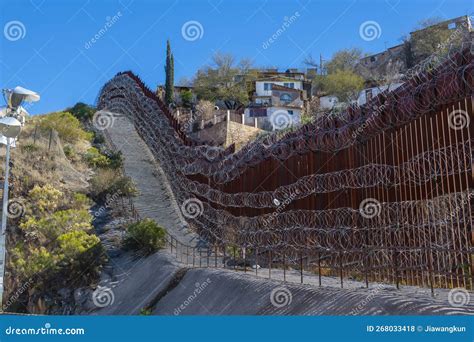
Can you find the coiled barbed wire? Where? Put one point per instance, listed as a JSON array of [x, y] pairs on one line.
[[415, 98], [410, 227]]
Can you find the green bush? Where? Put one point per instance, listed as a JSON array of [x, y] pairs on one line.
[[80, 201], [44, 199], [116, 160], [50, 227], [145, 312], [27, 262], [110, 181], [145, 236], [187, 98], [78, 248], [69, 151], [96, 159], [69, 128], [344, 84], [29, 148], [82, 111], [99, 138], [56, 244], [74, 254]]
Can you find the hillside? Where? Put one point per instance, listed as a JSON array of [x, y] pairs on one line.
[[59, 171]]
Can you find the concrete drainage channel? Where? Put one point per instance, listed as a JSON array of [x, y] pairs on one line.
[[158, 285], [176, 279]]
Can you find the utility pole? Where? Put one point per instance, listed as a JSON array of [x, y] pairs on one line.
[[321, 63], [3, 234], [10, 127]]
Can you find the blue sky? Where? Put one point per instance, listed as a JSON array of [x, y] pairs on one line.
[[46, 44]]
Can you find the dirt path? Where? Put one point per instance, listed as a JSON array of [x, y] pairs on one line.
[[155, 199]]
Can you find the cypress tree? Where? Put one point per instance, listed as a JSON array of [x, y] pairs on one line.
[[169, 72]]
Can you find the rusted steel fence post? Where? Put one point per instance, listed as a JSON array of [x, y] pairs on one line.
[[235, 259], [319, 268], [270, 264], [301, 267], [256, 262], [215, 259], [341, 269], [225, 256], [245, 259]]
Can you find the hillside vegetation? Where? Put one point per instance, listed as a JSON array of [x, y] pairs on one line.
[[59, 169]]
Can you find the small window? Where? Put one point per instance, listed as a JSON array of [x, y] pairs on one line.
[[289, 85], [372, 59], [451, 26], [286, 98], [267, 86], [290, 112]]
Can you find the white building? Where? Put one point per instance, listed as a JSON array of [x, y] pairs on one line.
[[331, 101], [328, 102], [277, 103]]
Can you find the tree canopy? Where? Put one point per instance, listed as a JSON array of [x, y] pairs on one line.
[[344, 84], [225, 80], [344, 60], [341, 80], [82, 111]]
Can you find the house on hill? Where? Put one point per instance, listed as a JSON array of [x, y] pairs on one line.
[[395, 61], [281, 94]]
